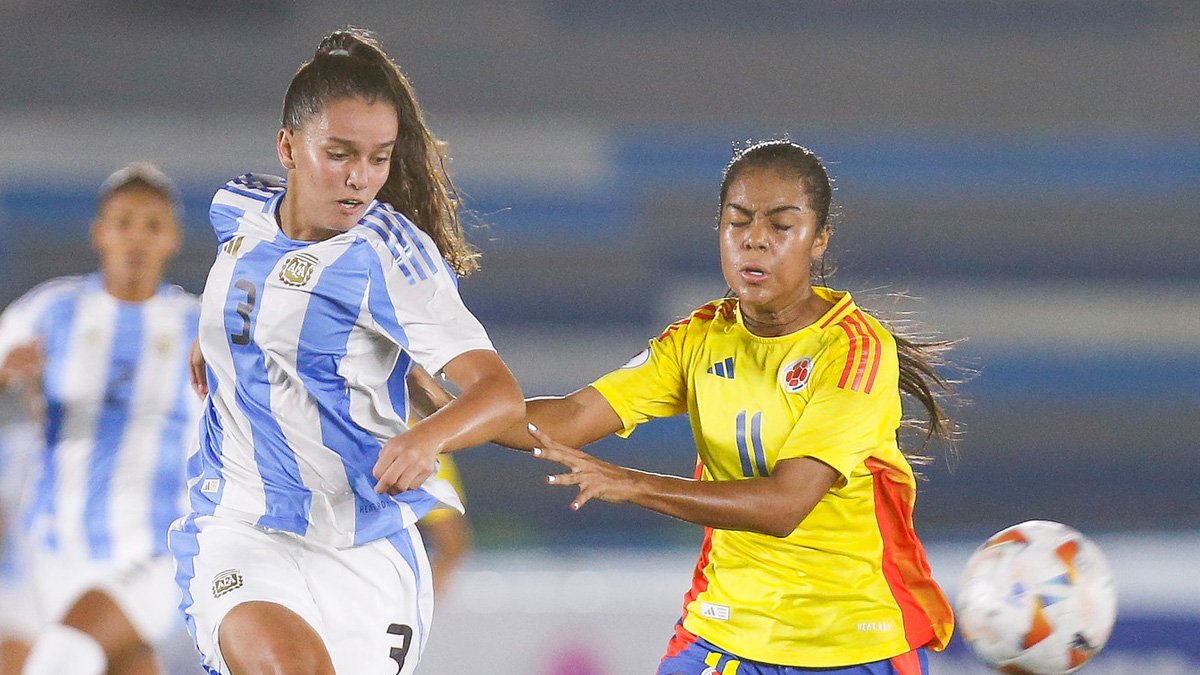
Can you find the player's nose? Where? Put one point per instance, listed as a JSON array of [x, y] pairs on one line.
[[356, 176]]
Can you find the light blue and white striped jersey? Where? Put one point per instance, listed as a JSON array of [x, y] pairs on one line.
[[119, 415], [308, 345], [20, 447]]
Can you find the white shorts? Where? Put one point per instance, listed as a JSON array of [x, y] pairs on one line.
[[143, 589], [371, 604]]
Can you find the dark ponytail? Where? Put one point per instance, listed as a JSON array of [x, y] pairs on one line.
[[920, 358], [350, 63]]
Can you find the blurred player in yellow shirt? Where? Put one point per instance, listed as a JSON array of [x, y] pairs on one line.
[[446, 531], [810, 559]]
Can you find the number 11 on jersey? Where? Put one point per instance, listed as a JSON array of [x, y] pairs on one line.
[[748, 438]]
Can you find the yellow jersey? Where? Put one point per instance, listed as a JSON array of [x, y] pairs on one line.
[[447, 471], [851, 583]]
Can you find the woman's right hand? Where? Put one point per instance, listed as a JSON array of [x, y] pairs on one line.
[[23, 366], [405, 462], [197, 370]]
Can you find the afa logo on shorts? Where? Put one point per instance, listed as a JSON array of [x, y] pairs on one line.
[[226, 581], [794, 376]]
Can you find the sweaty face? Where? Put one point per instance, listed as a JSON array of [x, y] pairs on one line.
[[136, 234], [337, 161], [769, 240]]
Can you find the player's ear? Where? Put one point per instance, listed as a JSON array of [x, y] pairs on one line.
[[283, 144], [820, 242]]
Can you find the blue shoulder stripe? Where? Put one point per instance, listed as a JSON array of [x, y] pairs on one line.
[[386, 234], [415, 236], [402, 238]]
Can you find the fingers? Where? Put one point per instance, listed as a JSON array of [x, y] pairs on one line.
[[553, 450], [541, 437], [398, 477], [586, 493], [199, 380], [401, 468], [197, 371]]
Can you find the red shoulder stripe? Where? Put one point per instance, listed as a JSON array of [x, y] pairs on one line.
[[851, 357], [705, 313], [672, 328], [837, 312], [864, 345], [878, 351]]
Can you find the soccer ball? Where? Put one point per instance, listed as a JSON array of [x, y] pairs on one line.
[[1037, 598]]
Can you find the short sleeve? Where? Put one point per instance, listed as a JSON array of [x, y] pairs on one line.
[[652, 384], [248, 193], [854, 408], [417, 305], [19, 323]]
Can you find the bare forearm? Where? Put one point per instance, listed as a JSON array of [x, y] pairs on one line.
[[773, 505], [751, 505], [475, 417], [552, 414]]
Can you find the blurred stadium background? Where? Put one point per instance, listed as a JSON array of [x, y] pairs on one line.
[[1029, 171]]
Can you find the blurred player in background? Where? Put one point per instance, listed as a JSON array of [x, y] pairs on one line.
[[302, 553], [20, 446], [809, 560], [446, 531], [105, 357]]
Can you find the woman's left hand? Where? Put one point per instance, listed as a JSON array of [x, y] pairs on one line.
[[596, 478]]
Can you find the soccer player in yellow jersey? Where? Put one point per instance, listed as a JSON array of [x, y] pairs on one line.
[[810, 559], [446, 531]]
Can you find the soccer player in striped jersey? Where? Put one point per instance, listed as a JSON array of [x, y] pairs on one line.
[[301, 554], [810, 559], [20, 445], [106, 356]]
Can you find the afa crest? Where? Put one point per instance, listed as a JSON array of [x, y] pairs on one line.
[[794, 376], [226, 581], [297, 269]]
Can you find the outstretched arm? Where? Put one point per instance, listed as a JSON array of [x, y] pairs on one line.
[[576, 419], [773, 505], [491, 402]]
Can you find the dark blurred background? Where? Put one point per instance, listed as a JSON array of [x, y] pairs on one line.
[[1028, 172]]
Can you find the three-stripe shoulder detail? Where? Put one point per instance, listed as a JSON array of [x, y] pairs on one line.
[[723, 308], [864, 355], [259, 187], [414, 255]]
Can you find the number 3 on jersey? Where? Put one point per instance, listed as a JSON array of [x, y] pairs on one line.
[[244, 309]]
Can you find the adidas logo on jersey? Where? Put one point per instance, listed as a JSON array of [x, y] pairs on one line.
[[722, 368]]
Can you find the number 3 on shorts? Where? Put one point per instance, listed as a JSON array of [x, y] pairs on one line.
[[398, 654]]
